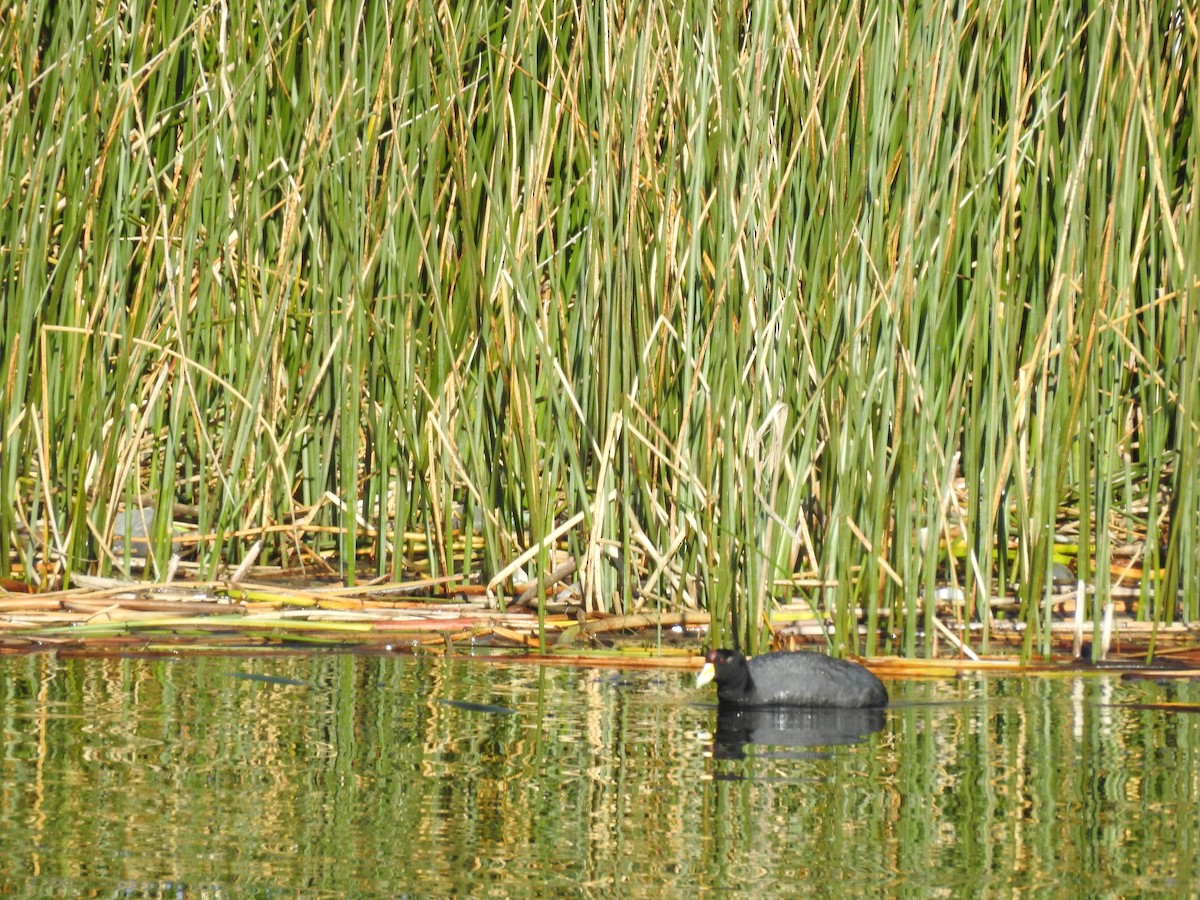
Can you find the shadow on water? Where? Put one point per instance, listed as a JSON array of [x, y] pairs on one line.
[[269, 679], [811, 729], [477, 707]]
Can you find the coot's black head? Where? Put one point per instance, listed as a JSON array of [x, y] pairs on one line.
[[727, 667]]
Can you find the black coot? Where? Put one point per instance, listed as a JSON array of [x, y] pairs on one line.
[[790, 679]]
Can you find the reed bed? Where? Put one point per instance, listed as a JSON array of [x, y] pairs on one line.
[[727, 304]]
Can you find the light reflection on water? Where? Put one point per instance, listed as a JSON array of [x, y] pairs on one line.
[[172, 777]]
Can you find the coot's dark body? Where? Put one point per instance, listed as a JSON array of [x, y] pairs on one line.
[[791, 679]]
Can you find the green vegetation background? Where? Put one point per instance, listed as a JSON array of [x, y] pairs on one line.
[[734, 301]]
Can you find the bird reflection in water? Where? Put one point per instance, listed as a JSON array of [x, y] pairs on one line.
[[800, 731]]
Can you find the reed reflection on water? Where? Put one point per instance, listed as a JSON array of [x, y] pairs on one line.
[[352, 774]]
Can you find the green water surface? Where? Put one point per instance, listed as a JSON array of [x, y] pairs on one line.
[[136, 777]]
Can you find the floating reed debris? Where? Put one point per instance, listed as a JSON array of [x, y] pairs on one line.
[[231, 614]]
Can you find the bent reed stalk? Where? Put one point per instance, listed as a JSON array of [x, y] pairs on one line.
[[841, 303]]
